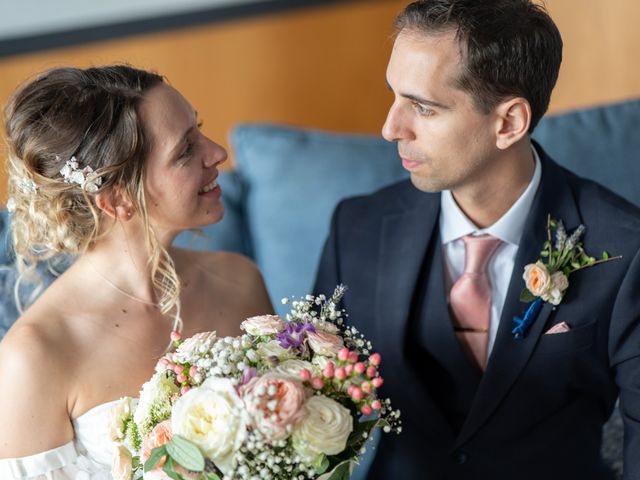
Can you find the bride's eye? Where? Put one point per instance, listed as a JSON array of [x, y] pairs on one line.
[[188, 151]]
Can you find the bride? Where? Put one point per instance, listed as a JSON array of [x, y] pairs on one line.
[[107, 164]]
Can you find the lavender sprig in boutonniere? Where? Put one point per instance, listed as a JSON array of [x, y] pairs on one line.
[[547, 280]]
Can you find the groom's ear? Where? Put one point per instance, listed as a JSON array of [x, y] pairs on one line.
[[514, 119], [114, 204]]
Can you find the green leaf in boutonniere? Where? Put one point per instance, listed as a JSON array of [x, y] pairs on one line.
[[526, 296]]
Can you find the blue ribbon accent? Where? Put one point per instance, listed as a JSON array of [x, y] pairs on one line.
[[523, 324]]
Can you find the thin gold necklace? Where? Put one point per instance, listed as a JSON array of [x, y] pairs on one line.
[[116, 287]]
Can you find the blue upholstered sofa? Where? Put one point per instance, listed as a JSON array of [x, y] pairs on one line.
[[286, 181]]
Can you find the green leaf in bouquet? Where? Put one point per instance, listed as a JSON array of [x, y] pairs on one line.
[[212, 476], [321, 464], [544, 253], [605, 255], [170, 470], [156, 455], [185, 453], [356, 438], [526, 296], [341, 472]]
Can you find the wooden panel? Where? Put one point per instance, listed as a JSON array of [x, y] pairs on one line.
[[601, 51], [319, 67], [324, 67]]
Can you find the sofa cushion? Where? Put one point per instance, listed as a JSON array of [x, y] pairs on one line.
[[295, 178], [600, 143]]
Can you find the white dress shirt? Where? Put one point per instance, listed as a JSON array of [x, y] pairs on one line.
[[454, 225]]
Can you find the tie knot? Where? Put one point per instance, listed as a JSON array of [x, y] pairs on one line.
[[478, 252]]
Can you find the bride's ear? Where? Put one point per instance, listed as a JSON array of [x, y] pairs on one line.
[[114, 204]]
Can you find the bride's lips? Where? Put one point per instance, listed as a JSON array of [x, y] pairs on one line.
[[211, 189]]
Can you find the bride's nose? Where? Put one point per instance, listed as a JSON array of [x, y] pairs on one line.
[[215, 155]]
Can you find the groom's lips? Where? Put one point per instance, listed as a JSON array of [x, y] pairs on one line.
[[409, 164]]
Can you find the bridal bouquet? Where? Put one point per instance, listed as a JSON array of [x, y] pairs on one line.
[[288, 399]]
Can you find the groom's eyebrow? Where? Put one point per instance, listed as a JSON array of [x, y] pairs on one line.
[[419, 99]]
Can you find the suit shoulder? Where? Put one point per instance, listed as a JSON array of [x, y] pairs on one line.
[[598, 203], [398, 196]]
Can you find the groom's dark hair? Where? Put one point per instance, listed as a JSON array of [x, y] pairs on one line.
[[510, 48]]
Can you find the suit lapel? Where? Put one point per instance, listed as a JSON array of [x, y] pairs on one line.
[[405, 238], [509, 355]]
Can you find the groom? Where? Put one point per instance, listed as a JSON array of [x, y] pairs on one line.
[[435, 266]]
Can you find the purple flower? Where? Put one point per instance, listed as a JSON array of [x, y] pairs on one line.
[[293, 336]]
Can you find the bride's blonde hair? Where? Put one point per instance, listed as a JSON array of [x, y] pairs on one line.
[[90, 114]]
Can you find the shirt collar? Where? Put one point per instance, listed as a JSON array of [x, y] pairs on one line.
[[455, 224]]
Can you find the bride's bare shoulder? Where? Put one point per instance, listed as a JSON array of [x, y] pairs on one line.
[[33, 378], [234, 274], [230, 266]]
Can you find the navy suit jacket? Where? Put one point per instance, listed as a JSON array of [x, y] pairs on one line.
[[538, 410]]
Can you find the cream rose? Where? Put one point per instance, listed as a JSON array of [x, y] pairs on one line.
[[324, 343], [118, 417], [263, 325], [213, 417], [292, 368], [272, 348], [121, 465], [324, 428], [274, 402], [537, 278]]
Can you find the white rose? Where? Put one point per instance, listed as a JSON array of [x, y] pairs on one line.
[[121, 465], [560, 281], [272, 348], [324, 428], [212, 416], [263, 325], [154, 405], [118, 415], [320, 362], [558, 284], [292, 368]]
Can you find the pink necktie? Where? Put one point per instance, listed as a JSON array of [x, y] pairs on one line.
[[470, 298]]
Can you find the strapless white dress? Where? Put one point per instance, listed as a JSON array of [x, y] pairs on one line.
[[87, 457]]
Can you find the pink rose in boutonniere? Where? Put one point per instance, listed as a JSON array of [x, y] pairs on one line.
[[547, 280], [541, 283]]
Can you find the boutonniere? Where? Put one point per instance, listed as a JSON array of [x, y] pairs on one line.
[[547, 280]]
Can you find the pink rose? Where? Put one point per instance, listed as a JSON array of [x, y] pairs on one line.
[[263, 325], [324, 343], [537, 278], [160, 435], [274, 402]]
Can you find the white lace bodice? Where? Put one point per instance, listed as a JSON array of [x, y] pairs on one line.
[[87, 457]]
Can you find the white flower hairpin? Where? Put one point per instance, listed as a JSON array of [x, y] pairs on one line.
[[26, 186], [85, 177]]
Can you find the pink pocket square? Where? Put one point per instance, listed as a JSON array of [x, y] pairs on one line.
[[561, 327]]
